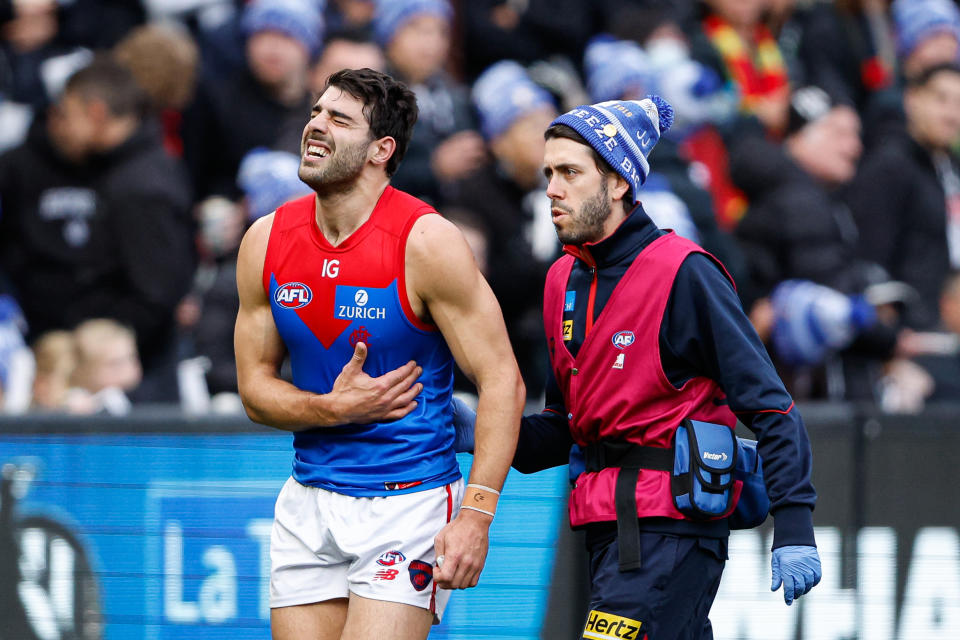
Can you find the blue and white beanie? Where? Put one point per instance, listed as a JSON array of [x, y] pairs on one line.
[[623, 132], [302, 20], [616, 68], [504, 93], [811, 321], [390, 15], [915, 20], [269, 179]]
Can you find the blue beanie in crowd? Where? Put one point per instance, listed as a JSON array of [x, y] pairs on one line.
[[614, 68], [12, 329], [302, 20], [698, 94], [390, 15], [623, 132], [916, 20], [503, 93], [811, 320], [268, 179]]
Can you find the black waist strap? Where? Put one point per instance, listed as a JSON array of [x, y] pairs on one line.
[[627, 455], [630, 458]]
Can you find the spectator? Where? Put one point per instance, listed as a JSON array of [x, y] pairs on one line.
[[927, 34], [796, 226], [844, 47], [350, 15], [164, 60], [799, 228], [252, 108], [735, 42], [56, 357], [524, 31], [345, 50], [906, 196], [96, 219], [267, 179], [444, 148], [35, 60], [108, 368], [508, 199]]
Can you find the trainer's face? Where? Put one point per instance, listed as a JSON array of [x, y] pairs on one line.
[[336, 142], [580, 198]]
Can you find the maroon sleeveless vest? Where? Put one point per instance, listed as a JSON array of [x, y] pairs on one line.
[[615, 389]]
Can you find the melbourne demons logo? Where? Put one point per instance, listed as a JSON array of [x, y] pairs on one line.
[[421, 574], [623, 339], [360, 335], [293, 295]]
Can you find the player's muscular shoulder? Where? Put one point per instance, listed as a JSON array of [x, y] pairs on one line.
[[253, 250], [437, 257]]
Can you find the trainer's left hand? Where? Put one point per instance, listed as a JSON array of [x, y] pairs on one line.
[[797, 567], [463, 545]]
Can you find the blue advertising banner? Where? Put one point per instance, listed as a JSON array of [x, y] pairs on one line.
[[163, 536]]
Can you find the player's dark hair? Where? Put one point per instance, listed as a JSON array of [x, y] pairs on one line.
[[107, 80], [389, 106], [568, 132]]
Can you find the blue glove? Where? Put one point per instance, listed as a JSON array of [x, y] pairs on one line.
[[464, 419], [798, 568]]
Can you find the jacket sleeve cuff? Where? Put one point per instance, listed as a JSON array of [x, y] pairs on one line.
[[793, 525]]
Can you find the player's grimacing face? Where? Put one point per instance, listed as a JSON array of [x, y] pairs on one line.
[[336, 141]]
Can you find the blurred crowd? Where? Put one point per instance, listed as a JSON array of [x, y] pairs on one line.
[[814, 153]]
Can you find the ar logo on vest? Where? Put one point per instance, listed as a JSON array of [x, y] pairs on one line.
[[293, 295], [623, 339]]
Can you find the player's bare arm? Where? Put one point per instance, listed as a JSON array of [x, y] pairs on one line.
[[446, 287], [355, 397]]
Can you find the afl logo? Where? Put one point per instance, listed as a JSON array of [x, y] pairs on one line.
[[293, 295], [623, 339], [390, 558]]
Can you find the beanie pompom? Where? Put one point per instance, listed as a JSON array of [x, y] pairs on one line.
[[665, 111]]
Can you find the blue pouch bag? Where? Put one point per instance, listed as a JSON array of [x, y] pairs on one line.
[[708, 459], [754, 505], [705, 456]]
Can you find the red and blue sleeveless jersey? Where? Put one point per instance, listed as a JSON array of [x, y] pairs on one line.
[[615, 387], [324, 300]]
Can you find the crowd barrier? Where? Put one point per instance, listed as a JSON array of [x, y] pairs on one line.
[[157, 527]]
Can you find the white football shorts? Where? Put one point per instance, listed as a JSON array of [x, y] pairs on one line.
[[325, 545]]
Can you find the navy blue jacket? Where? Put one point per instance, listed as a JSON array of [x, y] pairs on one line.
[[704, 333]]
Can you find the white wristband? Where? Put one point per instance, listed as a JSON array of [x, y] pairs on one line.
[[483, 488], [489, 513]]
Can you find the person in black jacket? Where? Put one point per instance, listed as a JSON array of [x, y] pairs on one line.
[[261, 104], [507, 200], [906, 196], [416, 38], [799, 228], [96, 219]]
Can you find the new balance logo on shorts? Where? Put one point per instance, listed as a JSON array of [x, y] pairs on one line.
[[386, 574], [607, 626]]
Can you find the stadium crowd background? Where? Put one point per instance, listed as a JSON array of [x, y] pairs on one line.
[[814, 152]]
